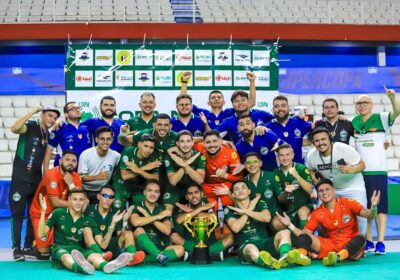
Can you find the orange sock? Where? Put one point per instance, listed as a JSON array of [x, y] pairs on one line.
[[303, 251], [343, 254]]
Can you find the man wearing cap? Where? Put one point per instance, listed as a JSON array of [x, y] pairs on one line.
[[27, 172]]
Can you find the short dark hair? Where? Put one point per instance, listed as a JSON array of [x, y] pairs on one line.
[[107, 97], [330, 100], [215, 91], [280, 97], [147, 93], [152, 182], [323, 181], [163, 116], [245, 116], [320, 129], [76, 190], [237, 182], [194, 185], [107, 187], [252, 154], [211, 133], [182, 133], [239, 93], [183, 96], [69, 152], [283, 146], [147, 137], [103, 129], [65, 108]]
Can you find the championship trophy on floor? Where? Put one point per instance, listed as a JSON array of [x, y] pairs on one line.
[[201, 228]]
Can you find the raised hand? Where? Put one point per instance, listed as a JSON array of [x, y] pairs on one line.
[[128, 213], [285, 220], [376, 196], [42, 202]]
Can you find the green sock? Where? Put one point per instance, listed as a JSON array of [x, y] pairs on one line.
[[302, 223], [171, 254], [75, 267], [259, 262], [102, 265], [144, 242], [217, 247], [150, 258], [96, 248], [284, 249], [189, 245], [130, 249]]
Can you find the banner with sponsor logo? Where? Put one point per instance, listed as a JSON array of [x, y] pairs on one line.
[[126, 71]]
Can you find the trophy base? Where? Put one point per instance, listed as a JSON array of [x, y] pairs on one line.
[[201, 256]]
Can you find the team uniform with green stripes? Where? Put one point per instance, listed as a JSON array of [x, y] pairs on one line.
[[176, 193], [68, 234], [131, 190], [254, 232], [100, 225], [137, 123], [268, 187], [369, 138], [299, 197]]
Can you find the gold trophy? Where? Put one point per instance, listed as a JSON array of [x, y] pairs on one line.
[[201, 228]]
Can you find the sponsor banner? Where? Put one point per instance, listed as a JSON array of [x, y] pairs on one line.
[[144, 78], [84, 57], [103, 79], [240, 79], [261, 58], [163, 78], [223, 57], [143, 57], [203, 78], [123, 78], [104, 58], [124, 57], [242, 58], [178, 75], [262, 78], [184, 57], [83, 78], [163, 57], [223, 78], [203, 57]]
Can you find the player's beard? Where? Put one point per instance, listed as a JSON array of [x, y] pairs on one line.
[[67, 169], [282, 119], [107, 114], [246, 133]]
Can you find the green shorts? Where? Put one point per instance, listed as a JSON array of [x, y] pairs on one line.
[[58, 251], [124, 195], [294, 216], [262, 245]]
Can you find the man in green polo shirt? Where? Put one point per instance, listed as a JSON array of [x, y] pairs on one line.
[[296, 187], [265, 183], [151, 227], [146, 117], [106, 227], [68, 224], [137, 164]]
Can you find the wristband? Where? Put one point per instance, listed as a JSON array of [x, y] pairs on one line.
[[124, 224], [291, 227], [183, 82]]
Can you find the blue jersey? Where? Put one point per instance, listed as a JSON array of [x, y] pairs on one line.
[[95, 123], [195, 125], [214, 120], [230, 125], [262, 145], [292, 133], [68, 137]]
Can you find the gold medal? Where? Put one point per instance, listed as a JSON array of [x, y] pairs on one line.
[[73, 230], [286, 134]]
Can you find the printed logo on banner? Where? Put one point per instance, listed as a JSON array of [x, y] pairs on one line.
[[124, 57], [242, 57], [261, 58], [178, 76], [203, 57], [240, 79], [223, 78], [103, 79], [203, 78], [83, 78], [84, 58], [163, 57], [104, 58], [223, 57], [89, 110], [124, 78], [184, 57], [144, 57], [163, 79], [144, 78], [262, 79]]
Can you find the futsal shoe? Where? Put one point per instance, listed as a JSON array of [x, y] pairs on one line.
[[83, 264], [18, 255], [107, 256], [380, 248], [137, 258], [121, 261], [218, 256], [162, 259], [369, 246], [331, 259], [295, 257], [269, 261], [30, 253]]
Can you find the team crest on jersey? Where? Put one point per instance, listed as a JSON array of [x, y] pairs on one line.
[[16, 197], [268, 194], [277, 178], [102, 227], [264, 151], [216, 122], [73, 229], [286, 134], [52, 135], [117, 203], [53, 185], [167, 195], [125, 158], [197, 133], [226, 210], [203, 157], [343, 135], [80, 136], [346, 219], [297, 132], [167, 163], [234, 155]]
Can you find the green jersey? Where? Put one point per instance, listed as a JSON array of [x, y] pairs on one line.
[[268, 186], [100, 224], [67, 232], [254, 231], [137, 123], [161, 145], [298, 197]]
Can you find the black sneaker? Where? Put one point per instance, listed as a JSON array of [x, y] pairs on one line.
[[18, 255], [29, 253], [218, 256], [162, 259]]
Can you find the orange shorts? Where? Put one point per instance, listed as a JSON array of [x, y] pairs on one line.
[[330, 245], [40, 243]]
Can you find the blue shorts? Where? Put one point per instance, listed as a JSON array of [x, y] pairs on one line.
[[377, 183]]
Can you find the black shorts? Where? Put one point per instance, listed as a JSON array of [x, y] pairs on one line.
[[377, 183]]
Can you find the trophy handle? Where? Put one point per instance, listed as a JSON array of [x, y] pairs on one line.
[[213, 224], [187, 223]]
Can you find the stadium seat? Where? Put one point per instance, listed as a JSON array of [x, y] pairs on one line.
[[19, 101], [347, 99], [7, 112], [392, 164]]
